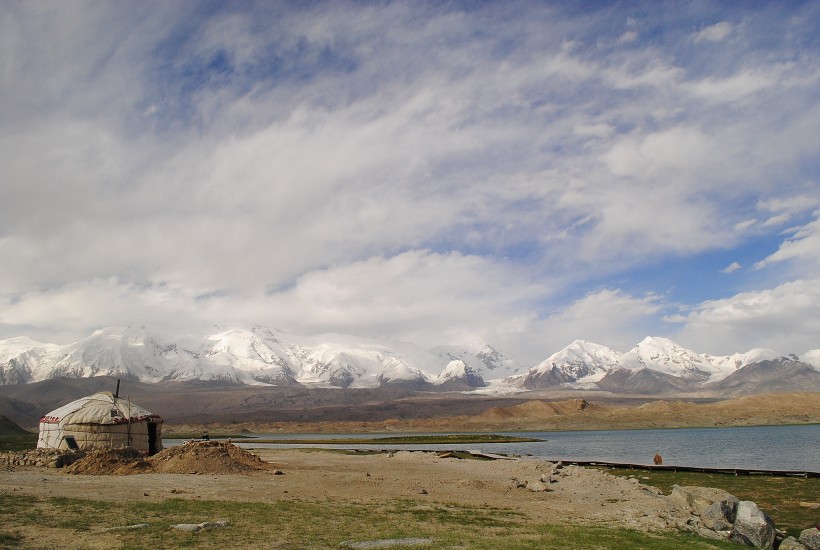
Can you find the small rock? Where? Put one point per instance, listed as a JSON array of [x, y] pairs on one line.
[[194, 527], [278, 472], [423, 492], [810, 538], [186, 527], [790, 543]]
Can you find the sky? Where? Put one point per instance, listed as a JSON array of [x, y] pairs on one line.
[[518, 173]]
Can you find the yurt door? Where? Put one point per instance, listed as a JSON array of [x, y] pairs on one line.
[[152, 438]]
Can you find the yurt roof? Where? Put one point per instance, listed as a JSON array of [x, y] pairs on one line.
[[100, 408]]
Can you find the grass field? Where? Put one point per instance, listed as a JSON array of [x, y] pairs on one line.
[[15, 438], [32, 522]]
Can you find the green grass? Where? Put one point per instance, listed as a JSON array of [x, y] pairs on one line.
[[15, 438], [288, 524], [22, 442], [778, 496]]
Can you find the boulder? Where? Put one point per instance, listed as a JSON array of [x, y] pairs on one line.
[[810, 538], [697, 499], [719, 516], [753, 527], [790, 543]]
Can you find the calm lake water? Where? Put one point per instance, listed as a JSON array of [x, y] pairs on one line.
[[762, 447]]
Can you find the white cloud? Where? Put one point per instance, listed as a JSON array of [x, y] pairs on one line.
[[418, 296], [735, 87], [790, 205], [784, 318], [157, 154], [802, 246], [662, 154], [744, 225], [714, 33], [780, 219], [731, 268], [608, 316]]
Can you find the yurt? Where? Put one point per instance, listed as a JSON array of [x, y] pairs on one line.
[[101, 421]]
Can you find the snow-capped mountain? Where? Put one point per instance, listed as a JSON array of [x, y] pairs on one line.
[[264, 356], [477, 361], [257, 356], [582, 363], [24, 360], [655, 365], [459, 374]]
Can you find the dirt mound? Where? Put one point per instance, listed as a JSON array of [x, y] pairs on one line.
[[122, 461], [207, 457], [204, 457], [536, 409]]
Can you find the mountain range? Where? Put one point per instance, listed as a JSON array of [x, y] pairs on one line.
[[262, 356]]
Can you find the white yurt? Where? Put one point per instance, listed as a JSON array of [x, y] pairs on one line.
[[101, 421]]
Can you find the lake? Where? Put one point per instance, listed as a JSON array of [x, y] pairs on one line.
[[754, 447]]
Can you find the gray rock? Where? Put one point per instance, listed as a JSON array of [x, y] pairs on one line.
[[186, 527], [810, 538], [790, 543], [697, 499], [710, 534], [515, 483], [194, 527], [719, 516], [753, 527]]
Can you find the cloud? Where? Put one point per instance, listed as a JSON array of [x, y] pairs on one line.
[[731, 268], [803, 246], [713, 33], [418, 296], [628, 37], [783, 318], [736, 86], [608, 316], [456, 154]]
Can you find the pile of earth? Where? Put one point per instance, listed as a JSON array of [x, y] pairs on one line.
[[203, 457]]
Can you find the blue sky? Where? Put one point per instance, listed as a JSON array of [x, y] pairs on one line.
[[523, 174]]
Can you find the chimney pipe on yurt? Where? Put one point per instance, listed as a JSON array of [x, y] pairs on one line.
[[117, 392]]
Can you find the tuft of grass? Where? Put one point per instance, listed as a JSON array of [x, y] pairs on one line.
[[10, 540]]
